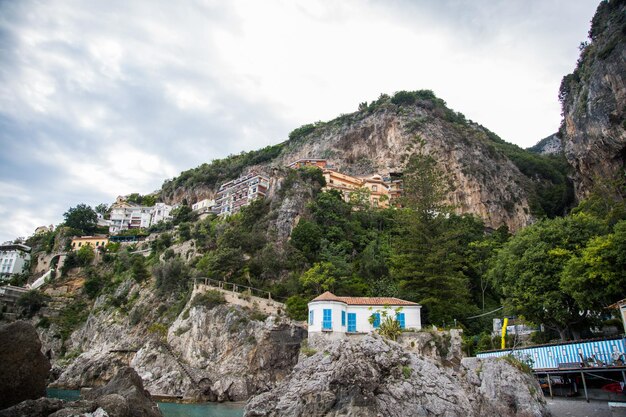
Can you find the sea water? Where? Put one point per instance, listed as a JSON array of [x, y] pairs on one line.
[[170, 409]]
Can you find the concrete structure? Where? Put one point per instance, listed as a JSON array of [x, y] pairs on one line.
[[93, 241], [129, 217], [235, 194], [160, 212], [338, 316], [14, 259], [318, 163], [203, 206], [43, 229]]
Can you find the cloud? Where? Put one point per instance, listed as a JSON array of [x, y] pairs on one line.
[[99, 99]]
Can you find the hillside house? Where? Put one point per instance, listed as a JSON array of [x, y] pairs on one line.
[[318, 163], [340, 316], [238, 193], [160, 212], [93, 241], [203, 206], [14, 259]]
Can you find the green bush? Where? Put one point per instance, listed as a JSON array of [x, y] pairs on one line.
[[31, 302], [208, 299], [297, 308]]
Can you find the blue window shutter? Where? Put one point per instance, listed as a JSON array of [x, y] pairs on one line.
[[343, 318], [327, 323], [400, 318], [351, 322], [376, 320], [311, 317]]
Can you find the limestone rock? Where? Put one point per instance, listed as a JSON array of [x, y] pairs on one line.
[[24, 368], [125, 389], [594, 103], [374, 377]]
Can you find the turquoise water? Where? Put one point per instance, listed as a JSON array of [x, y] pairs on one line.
[[170, 409]]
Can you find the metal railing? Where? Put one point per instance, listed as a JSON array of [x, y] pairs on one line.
[[230, 286]]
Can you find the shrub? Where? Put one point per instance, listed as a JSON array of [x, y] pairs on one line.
[[406, 372], [306, 350], [297, 308], [209, 299], [31, 302], [171, 276]]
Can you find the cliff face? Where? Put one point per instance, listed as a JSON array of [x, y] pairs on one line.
[[551, 145], [594, 102], [499, 182], [216, 353], [485, 182]]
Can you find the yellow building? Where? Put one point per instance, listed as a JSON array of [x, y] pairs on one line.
[[93, 241], [376, 187]]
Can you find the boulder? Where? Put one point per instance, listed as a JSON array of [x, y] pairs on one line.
[[371, 376], [24, 368], [123, 396], [129, 389]]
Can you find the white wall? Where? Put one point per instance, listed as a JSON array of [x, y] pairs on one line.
[[412, 316], [318, 315]]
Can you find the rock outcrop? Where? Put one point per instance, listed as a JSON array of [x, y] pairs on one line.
[[222, 353], [551, 145], [594, 102], [218, 353], [24, 368], [123, 396], [373, 377]]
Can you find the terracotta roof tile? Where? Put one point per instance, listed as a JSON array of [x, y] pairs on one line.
[[365, 301]]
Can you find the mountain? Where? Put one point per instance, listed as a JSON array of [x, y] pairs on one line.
[[495, 180], [594, 102], [551, 145]]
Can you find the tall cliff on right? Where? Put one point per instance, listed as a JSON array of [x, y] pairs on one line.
[[594, 103]]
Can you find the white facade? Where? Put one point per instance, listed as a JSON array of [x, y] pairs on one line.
[[14, 259], [123, 218], [160, 212], [202, 206], [340, 315]]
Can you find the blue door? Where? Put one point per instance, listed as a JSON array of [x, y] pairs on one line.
[[327, 323], [352, 322]]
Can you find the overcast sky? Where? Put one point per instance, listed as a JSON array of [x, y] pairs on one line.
[[104, 98]]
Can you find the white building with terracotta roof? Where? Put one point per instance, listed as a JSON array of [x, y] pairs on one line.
[[338, 316]]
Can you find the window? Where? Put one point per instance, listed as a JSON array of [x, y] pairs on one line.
[[327, 323], [374, 188], [352, 322], [343, 318], [311, 317], [376, 320], [401, 321]]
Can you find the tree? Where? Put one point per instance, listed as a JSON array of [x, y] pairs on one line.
[[320, 277], [102, 209], [85, 255], [138, 268], [31, 302], [528, 271], [596, 277], [82, 218], [296, 307], [428, 247]]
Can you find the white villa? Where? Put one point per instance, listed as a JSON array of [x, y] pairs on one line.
[[338, 316]]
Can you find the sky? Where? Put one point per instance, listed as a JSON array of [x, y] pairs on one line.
[[104, 98]]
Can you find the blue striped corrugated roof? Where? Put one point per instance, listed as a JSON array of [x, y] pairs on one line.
[[551, 356]]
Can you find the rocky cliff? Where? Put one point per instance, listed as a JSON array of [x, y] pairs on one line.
[[594, 102], [210, 351], [551, 145], [490, 178], [373, 377]]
